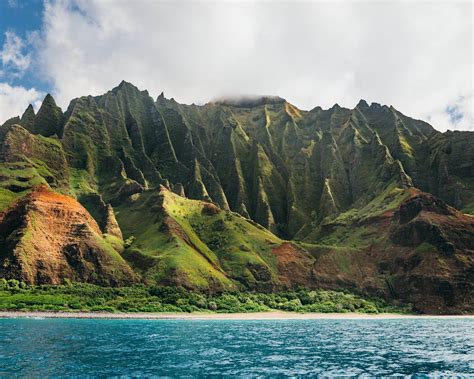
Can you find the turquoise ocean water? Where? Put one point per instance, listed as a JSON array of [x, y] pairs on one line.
[[73, 347]]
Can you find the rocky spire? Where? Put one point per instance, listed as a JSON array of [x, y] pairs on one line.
[[28, 118], [48, 121]]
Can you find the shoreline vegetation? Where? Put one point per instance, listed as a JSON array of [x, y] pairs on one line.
[[272, 315], [85, 298]]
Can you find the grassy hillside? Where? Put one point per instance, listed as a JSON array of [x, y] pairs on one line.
[[171, 239]]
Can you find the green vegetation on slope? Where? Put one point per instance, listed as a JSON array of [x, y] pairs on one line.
[[155, 246], [356, 228], [332, 178], [17, 179], [28, 161], [195, 244]]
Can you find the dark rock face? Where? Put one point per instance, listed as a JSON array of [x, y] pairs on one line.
[[442, 276], [425, 202], [210, 209], [417, 232], [102, 213], [424, 218], [126, 190]]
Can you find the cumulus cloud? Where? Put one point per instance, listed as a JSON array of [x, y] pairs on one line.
[[15, 99], [15, 61], [414, 56]]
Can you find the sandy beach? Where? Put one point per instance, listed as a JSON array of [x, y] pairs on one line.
[[276, 315]]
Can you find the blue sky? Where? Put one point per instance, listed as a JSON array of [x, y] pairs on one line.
[[416, 56], [22, 17]]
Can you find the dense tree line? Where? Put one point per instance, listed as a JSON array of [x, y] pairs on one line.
[[15, 295]]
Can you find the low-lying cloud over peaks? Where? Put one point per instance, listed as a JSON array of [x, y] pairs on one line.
[[416, 57]]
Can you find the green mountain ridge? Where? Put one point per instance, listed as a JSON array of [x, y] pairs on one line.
[[332, 181]]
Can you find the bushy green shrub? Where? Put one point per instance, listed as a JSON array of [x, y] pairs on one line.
[[15, 295]]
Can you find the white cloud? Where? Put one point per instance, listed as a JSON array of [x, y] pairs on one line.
[[457, 115], [14, 61], [15, 99], [414, 56]]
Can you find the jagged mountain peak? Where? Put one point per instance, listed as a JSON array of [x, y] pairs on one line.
[[49, 99], [124, 84], [49, 103], [362, 104], [29, 111], [128, 87], [316, 109], [377, 107]]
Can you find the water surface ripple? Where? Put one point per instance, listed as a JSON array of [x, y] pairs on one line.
[[64, 347]]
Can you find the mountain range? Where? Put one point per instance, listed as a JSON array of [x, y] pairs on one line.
[[246, 194]]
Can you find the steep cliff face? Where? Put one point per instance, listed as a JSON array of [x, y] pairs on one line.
[[419, 252], [438, 273], [49, 238], [284, 167], [345, 183]]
